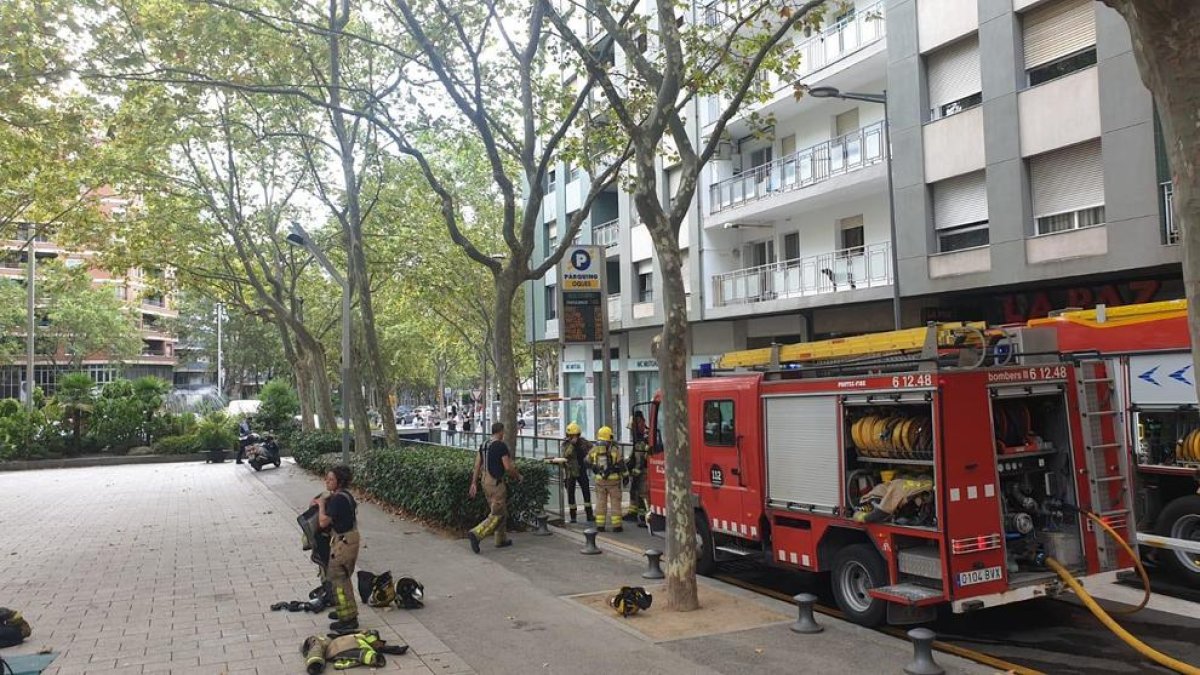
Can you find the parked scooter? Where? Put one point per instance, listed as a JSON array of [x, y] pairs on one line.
[[261, 451]]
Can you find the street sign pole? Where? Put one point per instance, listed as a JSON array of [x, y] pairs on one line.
[[583, 316]]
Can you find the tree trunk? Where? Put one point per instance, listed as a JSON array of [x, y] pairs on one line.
[[673, 365], [358, 405], [302, 375], [1166, 45], [314, 357], [502, 345]]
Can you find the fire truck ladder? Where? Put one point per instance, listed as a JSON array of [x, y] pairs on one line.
[[1108, 482], [873, 350]]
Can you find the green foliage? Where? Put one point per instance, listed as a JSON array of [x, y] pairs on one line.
[[29, 435], [185, 444], [75, 397], [216, 432], [279, 405], [84, 319], [307, 448], [430, 482], [116, 422]]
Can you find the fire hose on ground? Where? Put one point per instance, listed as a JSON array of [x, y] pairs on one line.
[[1106, 619]]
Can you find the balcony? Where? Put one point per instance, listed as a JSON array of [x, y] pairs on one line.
[[832, 272], [606, 234], [1170, 227], [801, 169], [842, 39]]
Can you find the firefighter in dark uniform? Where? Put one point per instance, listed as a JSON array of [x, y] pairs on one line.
[[338, 513], [636, 466], [574, 452], [606, 462], [493, 464]]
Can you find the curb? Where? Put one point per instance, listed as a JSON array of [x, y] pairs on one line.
[[84, 462]]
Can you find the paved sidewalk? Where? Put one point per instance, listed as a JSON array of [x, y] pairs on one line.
[[172, 568]]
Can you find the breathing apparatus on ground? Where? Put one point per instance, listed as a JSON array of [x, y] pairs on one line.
[[630, 600]]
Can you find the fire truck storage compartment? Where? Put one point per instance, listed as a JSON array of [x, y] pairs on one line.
[[1037, 487], [802, 453], [889, 440], [1167, 436]]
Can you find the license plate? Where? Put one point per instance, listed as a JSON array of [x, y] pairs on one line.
[[980, 576]]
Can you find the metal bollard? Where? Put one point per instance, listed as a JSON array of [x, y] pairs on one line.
[[653, 570], [806, 623], [590, 548], [923, 663], [540, 525]]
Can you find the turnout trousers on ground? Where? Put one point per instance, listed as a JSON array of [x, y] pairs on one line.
[[343, 555], [608, 502], [496, 492], [586, 489]]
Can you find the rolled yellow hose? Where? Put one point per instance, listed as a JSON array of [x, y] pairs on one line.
[[1111, 623]]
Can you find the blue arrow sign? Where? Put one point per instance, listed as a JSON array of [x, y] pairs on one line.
[[1179, 375], [1149, 376]]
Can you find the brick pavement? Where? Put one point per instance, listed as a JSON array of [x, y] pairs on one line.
[[166, 568]]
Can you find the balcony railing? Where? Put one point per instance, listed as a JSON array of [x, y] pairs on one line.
[[1170, 227], [802, 168], [844, 270], [842, 39], [606, 234]]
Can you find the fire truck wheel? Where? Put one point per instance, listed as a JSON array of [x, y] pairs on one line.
[[1181, 520], [706, 559], [856, 570]]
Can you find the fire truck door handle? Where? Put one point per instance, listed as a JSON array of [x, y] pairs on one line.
[[737, 470]]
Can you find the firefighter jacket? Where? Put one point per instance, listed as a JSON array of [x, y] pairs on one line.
[[606, 462], [576, 455]]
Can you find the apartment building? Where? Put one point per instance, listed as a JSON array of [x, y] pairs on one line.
[[1027, 175], [154, 311]]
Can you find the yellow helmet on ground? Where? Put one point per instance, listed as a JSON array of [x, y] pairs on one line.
[[604, 434], [573, 429]]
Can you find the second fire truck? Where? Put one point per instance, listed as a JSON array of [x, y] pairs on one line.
[[933, 466]]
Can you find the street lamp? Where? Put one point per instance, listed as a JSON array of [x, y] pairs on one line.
[[834, 92], [298, 237]]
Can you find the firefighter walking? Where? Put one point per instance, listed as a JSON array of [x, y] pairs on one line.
[[493, 464], [574, 453], [635, 465], [607, 464]]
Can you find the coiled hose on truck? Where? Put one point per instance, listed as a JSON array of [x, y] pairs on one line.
[[1104, 617]]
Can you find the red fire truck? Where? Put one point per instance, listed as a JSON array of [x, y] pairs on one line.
[[921, 467], [1150, 349]]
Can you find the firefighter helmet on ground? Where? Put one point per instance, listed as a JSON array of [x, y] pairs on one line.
[[573, 429], [630, 600], [604, 434]]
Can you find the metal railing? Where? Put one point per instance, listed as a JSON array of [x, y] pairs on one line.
[[606, 234], [844, 270], [1170, 227], [854, 32], [809, 166]]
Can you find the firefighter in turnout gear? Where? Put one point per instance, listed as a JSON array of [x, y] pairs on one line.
[[636, 465], [574, 452], [338, 514], [608, 465]]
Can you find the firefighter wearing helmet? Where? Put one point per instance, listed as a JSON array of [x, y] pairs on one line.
[[574, 453], [606, 462], [636, 465]]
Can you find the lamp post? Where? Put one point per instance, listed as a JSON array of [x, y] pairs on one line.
[[834, 92], [298, 237]]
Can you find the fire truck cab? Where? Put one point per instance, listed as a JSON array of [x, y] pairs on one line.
[[922, 467], [1150, 350]]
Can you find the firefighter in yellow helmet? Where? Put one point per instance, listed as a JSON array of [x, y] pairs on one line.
[[606, 463], [574, 452], [636, 465]]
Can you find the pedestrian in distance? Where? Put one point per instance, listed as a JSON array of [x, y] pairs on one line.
[[608, 466], [574, 453], [636, 465], [493, 465], [451, 426], [338, 513]]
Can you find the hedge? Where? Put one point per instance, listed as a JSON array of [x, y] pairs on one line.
[[431, 482]]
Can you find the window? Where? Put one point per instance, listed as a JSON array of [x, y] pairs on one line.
[[551, 302], [960, 212], [953, 78], [851, 233], [760, 157], [1060, 38], [718, 423], [612, 276], [551, 182], [122, 292], [760, 253], [791, 246], [551, 237], [645, 288], [1067, 188]]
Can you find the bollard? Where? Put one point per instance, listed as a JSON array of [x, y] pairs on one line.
[[540, 525], [653, 570], [923, 663], [590, 548], [806, 623]]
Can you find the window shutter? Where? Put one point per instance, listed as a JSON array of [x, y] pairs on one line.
[[1067, 180], [960, 200], [953, 72], [1058, 29]]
